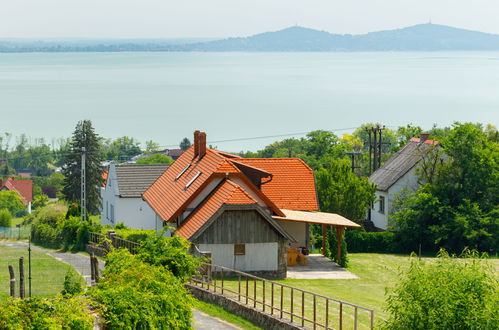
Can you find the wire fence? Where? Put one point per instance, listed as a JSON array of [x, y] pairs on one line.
[[15, 233], [43, 273]]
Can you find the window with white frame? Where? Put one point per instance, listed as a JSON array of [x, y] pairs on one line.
[[382, 204]]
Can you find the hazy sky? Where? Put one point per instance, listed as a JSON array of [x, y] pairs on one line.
[[223, 18]]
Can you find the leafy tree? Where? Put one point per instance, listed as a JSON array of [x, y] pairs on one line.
[[155, 159], [185, 144], [121, 149], [448, 293], [5, 218], [405, 133], [341, 191], [10, 200], [84, 137], [152, 146]]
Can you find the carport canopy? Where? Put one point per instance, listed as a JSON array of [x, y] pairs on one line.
[[324, 219]]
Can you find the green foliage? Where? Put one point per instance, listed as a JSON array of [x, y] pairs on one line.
[[171, 253], [341, 191], [84, 136], [40, 200], [332, 248], [458, 207], [52, 228], [372, 242], [53, 313], [448, 293], [11, 201], [120, 149], [136, 295], [185, 144], [73, 283], [155, 159], [5, 218]]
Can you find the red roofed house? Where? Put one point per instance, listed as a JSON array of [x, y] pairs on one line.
[[245, 211], [23, 187]]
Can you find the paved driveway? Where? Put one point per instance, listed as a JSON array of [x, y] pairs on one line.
[[320, 267]]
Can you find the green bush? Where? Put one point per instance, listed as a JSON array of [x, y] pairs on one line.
[[371, 242], [135, 295], [446, 293], [49, 313], [73, 283], [5, 218], [171, 253]]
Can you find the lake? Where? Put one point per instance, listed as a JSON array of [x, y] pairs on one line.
[[166, 96]]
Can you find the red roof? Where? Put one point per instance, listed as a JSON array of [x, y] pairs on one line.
[[23, 187], [292, 186], [228, 193], [418, 140]]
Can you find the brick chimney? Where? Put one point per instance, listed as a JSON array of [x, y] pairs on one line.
[[202, 144], [423, 137], [196, 143]]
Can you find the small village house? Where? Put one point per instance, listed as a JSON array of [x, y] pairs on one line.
[[122, 195], [245, 212], [396, 174], [23, 187]]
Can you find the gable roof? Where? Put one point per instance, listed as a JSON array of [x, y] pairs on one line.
[[227, 193], [23, 187], [133, 180], [400, 163], [292, 185]]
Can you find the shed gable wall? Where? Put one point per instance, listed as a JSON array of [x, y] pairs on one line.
[[239, 226]]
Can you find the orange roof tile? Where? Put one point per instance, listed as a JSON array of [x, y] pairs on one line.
[[293, 184], [226, 166], [105, 174], [226, 193], [168, 194]]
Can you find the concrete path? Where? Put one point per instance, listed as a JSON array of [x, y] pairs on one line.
[[319, 267], [81, 263]]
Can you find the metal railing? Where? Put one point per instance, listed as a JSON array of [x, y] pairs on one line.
[[100, 240], [297, 306]]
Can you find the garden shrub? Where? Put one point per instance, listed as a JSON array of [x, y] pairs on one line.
[[73, 283], [5, 218], [371, 242], [45, 313], [135, 235], [446, 293], [135, 295], [171, 253]]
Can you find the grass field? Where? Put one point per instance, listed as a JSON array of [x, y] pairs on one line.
[[376, 272], [47, 273]]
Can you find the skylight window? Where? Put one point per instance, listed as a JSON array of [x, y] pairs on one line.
[[192, 180], [182, 172]]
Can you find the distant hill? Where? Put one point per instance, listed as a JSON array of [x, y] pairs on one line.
[[422, 37]]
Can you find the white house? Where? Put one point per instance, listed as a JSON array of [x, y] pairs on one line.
[[122, 196], [396, 174]]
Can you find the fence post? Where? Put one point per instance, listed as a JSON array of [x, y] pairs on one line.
[[21, 277], [96, 269], [12, 281], [92, 270]]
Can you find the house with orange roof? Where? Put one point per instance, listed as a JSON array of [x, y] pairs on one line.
[[246, 212], [23, 187]]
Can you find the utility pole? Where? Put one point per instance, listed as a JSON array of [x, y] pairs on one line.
[[352, 155], [83, 185], [375, 146]]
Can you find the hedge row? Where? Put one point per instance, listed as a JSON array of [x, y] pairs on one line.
[[359, 240]]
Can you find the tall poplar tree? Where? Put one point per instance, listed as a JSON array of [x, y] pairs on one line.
[[84, 136]]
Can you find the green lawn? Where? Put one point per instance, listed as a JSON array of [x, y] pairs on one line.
[[376, 272], [16, 221], [217, 311], [47, 273]]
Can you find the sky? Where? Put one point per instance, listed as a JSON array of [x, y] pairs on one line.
[[42, 19]]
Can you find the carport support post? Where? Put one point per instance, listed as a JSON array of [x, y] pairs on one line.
[[324, 237], [339, 237]]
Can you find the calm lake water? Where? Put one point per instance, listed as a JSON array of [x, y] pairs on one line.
[[166, 96]]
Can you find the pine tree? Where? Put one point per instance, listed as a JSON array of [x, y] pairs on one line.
[[84, 136], [185, 144]]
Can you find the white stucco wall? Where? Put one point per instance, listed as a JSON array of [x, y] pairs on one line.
[[298, 230], [407, 181], [258, 257]]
